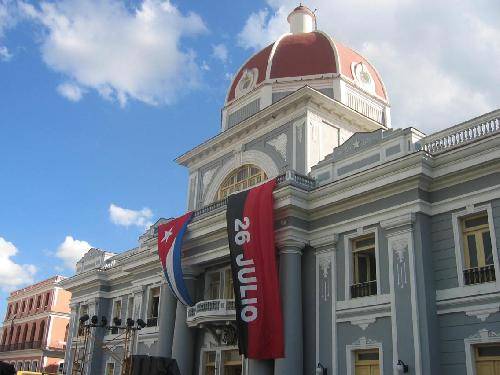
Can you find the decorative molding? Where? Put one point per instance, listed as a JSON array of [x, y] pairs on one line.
[[483, 312], [363, 323], [363, 341], [299, 125], [207, 177], [148, 342], [279, 143], [398, 222], [324, 265], [483, 334], [325, 243], [400, 250]]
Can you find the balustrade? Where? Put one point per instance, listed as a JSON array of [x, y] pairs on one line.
[[462, 134]]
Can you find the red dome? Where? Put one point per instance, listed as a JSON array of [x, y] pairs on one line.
[[302, 55]]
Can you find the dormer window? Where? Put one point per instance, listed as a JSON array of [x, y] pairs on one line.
[[240, 179]]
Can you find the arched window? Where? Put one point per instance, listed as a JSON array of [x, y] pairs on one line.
[[41, 332], [240, 179]]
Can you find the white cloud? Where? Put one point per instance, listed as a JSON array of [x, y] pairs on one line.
[[219, 51], [12, 274], [127, 217], [5, 55], [7, 19], [121, 53], [436, 58], [71, 251], [70, 91]]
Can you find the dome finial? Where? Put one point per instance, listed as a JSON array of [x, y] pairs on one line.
[[302, 20]]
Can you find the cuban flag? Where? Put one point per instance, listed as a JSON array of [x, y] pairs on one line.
[[169, 250]]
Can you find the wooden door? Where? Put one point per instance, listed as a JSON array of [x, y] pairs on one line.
[[367, 362], [488, 360]]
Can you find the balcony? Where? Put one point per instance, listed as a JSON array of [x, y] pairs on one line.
[[364, 289], [479, 275], [288, 178], [217, 310]]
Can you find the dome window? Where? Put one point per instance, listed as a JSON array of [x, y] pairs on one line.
[[363, 77], [247, 81]]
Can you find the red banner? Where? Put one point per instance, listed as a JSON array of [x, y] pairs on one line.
[[250, 226]]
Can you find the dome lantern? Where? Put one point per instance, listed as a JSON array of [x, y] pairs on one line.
[[302, 20]]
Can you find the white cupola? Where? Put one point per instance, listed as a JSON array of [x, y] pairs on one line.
[[302, 20]]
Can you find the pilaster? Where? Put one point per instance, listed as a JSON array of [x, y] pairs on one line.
[[404, 302], [325, 308]]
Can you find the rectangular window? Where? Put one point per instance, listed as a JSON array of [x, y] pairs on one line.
[[130, 308], [366, 362], [110, 368], [84, 310], [228, 284], [209, 363], [117, 315], [214, 285], [478, 251], [117, 309], [364, 267], [231, 360], [153, 307]]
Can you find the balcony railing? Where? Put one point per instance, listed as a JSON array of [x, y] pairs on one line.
[[289, 177], [210, 311], [479, 275], [466, 132], [364, 289]]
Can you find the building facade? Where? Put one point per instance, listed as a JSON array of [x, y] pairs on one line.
[[36, 326], [387, 239]]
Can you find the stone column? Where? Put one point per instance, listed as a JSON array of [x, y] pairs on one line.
[[168, 306], [290, 273], [184, 342]]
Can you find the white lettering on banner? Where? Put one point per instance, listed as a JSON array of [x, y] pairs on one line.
[[243, 235], [249, 311]]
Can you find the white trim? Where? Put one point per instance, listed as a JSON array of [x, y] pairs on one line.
[[483, 336], [363, 344], [255, 157], [348, 239], [459, 246]]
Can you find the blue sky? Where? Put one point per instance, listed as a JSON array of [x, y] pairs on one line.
[[98, 97]]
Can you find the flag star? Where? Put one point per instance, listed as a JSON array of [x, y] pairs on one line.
[[167, 235]]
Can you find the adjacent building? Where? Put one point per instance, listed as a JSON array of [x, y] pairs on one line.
[[36, 326], [387, 239]]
